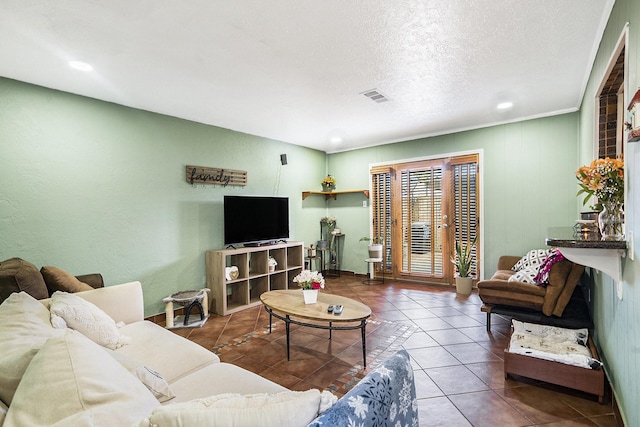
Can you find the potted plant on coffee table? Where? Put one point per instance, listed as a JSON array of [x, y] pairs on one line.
[[463, 262], [375, 246]]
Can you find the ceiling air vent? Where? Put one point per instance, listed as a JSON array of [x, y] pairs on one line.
[[375, 95]]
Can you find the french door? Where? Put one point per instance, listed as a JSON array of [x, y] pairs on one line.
[[421, 209]]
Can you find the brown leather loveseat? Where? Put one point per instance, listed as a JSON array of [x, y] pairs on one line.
[[499, 293]]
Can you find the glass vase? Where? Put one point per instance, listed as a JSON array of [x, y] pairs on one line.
[[610, 221]]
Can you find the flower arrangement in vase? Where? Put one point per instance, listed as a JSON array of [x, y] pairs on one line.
[[329, 183], [310, 282], [604, 178]]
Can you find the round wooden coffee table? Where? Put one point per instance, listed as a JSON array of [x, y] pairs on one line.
[[288, 304]]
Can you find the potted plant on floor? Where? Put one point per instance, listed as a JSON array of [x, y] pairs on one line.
[[463, 262], [375, 246]]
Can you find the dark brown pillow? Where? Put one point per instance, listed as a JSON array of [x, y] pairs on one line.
[[17, 275], [59, 280]]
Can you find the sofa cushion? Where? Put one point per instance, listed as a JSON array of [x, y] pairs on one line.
[[18, 275], [24, 328], [69, 310], [557, 281], [532, 258], [152, 379], [229, 379], [514, 293], [59, 280], [73, 381], [567, 291], [165, 351], [503, 275], [525, 275], [284, 409]]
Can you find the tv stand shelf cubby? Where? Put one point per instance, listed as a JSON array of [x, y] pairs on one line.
[[254, 276]]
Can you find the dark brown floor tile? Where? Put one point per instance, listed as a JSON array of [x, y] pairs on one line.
[[487, 409], [418, 313], [407, 304], [480, 334], [251, 364], [327, 346], [352, 355], [277, 375], [440, 412], [492, 374], [604, 421], [538, 405], [580, 422], [449, 336], [420, 339], [328, 373], [462, 321], [471, 353], [391, 315], [456, 380], [432, 324], [425, 387], [445, 311], [586, 404], [433, 357]]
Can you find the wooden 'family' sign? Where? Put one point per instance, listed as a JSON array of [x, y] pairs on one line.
[[216, 176]]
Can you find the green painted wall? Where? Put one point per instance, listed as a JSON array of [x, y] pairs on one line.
[[527, 175], [618, 322], [90, 186]]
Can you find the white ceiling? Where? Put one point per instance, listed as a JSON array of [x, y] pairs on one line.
[[295, 70]]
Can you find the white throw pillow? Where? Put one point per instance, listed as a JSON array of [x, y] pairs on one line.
[[152, 379], [73, 381], [285, 409], [69, 310], [533, 258], [24, 328], [526, 275]]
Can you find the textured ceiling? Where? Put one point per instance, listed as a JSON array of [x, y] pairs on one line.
[[296, 70]]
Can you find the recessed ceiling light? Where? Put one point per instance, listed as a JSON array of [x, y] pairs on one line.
[[80, 66], [504, 105], [336, 140]]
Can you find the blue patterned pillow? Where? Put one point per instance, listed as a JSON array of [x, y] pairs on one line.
[[385, 397]]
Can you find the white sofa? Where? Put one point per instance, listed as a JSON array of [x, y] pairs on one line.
[[190, 370], [60, 376]]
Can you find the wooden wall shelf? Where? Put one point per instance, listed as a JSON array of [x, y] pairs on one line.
[[333, 194]]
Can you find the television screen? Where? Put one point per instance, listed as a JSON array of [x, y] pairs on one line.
[[255, 220]]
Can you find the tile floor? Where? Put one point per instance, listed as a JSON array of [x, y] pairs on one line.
[[458, 365]]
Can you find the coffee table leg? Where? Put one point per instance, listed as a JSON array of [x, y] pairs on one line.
[[270, 319], [364, 342], [286, 322]]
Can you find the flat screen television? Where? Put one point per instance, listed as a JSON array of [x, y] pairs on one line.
[[255, 220]]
